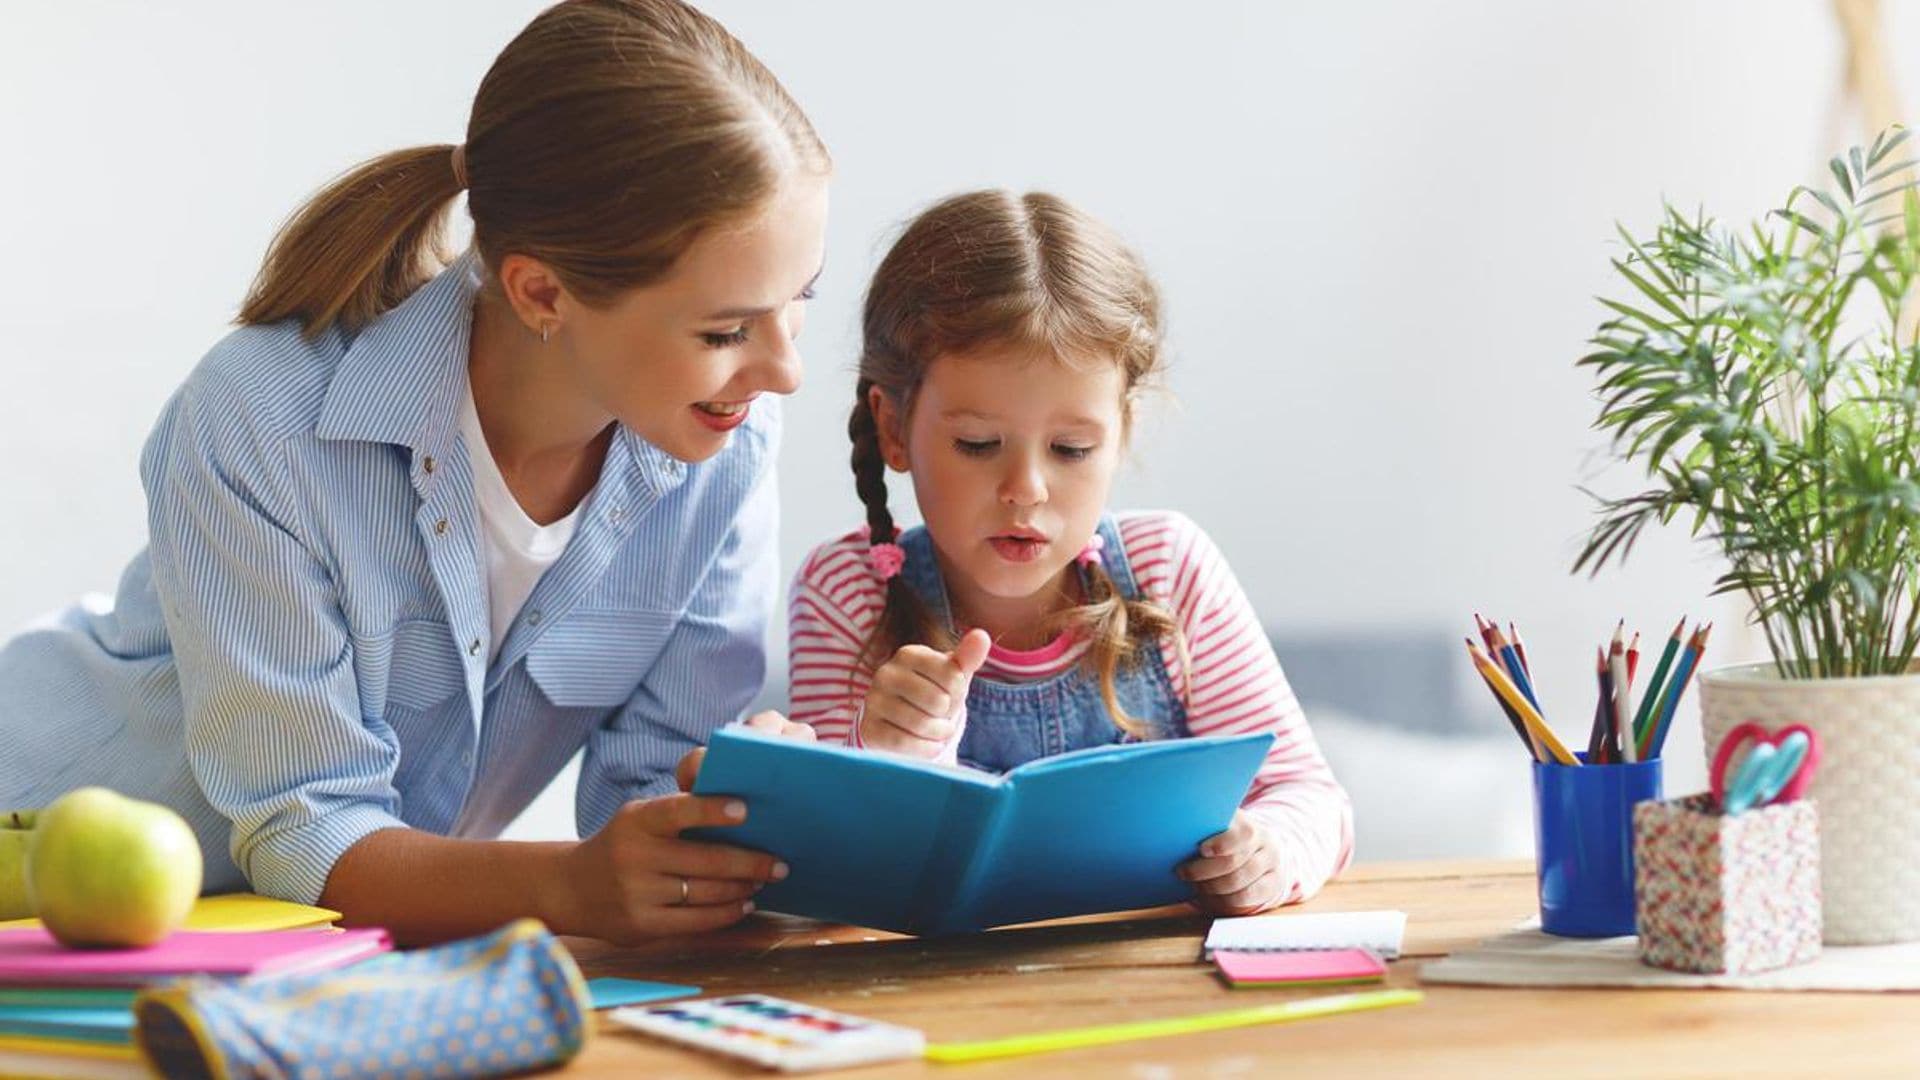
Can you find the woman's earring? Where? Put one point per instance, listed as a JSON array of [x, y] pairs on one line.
[[546, 332]]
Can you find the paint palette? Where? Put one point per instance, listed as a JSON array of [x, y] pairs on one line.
[[774, 1032]]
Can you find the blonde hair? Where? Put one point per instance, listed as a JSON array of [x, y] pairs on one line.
[[603, 140], [992, 268]]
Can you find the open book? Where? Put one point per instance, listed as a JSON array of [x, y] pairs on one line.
[[883, 841]]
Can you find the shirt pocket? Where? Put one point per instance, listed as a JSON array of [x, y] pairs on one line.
[[424, 666], [597, 658]]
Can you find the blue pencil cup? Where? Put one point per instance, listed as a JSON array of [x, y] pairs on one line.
[[1583, 835]]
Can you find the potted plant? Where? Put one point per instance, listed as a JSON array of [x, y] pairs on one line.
[[1767, 381]]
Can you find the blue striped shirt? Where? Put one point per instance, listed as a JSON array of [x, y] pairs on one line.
[[300, 655]]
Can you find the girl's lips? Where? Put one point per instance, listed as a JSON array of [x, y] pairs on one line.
[[1017, 549], [723, 421]]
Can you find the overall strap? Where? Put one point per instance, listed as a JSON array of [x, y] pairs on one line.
[[922, 574], [1114, 557]]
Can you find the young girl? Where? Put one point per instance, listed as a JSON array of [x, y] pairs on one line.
[[1006, 341]]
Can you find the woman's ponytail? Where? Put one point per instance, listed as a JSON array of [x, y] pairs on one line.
[[362, 245]]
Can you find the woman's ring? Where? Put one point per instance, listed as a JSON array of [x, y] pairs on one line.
[[686, 890]]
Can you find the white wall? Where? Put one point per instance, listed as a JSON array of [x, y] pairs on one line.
[[1379, 227]]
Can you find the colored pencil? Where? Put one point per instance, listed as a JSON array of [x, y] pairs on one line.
[[1513, 718], [1510, 662], [1689, 662], [1633, 658], [1598, 742], [1617, 672], [1490, 635], [1650, 698], [1485, 626], [1504, 687], [1520, 650]]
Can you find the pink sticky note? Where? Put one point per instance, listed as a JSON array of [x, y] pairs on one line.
[[1313, 968]]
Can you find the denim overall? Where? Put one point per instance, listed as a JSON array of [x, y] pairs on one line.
[[1009, 724]]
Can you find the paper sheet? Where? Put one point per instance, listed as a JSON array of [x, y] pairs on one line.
[[1529, 957], [1380, 931]]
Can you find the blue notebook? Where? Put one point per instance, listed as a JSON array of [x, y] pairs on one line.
[[102, 1024], [882, 841]]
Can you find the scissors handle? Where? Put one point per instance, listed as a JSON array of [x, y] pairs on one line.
[[1803, 776], [1777, 769], [1723, 758]]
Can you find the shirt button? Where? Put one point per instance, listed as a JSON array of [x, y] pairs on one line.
[[473, 647], [426, 463], [440, 527], [617, 516], [534, 617]]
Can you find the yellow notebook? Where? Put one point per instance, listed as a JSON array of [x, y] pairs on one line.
[[69, 1048], [58, 1059], [238, 911]]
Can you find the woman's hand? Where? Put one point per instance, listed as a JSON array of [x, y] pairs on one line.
[[1237, 872], [913, 704], [637, 878], [770, 722]]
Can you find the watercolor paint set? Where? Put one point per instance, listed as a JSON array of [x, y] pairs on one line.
[[774, 1032]]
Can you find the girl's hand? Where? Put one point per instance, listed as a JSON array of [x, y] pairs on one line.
[[915, 696], [771, 722], [637, 879], [1237, 872]]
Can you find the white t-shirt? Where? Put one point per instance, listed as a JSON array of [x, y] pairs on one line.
[[518, 549]]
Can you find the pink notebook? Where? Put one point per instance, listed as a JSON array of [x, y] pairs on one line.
[[1320, 968], [32, 957]]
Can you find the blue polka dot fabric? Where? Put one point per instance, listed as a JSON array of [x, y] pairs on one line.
[[509, 1002]]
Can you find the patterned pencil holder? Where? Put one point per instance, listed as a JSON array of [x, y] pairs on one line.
[[1720, 893]]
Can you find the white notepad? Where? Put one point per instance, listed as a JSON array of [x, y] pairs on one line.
[[1380, 931]]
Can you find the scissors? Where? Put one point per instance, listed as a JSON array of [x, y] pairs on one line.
[[1777, 768]]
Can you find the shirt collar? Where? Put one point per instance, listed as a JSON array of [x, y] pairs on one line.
[[402, 379]]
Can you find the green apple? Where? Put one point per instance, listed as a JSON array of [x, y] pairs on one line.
[[16, 826], [107, 871]]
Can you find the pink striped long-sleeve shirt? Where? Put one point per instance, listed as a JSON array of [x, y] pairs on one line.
[[1233, 681]]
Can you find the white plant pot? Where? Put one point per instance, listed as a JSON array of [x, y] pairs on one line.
[[1867, 787]]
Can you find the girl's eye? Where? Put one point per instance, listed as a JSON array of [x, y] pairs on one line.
[[976, 447], [1072, 453], [725, 340], [806, 293]]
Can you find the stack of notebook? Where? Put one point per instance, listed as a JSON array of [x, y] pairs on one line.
[[1305, 950], [69, 1012]]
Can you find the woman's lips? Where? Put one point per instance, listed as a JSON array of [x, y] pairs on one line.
[[722, 415]]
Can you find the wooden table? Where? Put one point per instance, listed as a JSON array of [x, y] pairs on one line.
[[1146, 965]]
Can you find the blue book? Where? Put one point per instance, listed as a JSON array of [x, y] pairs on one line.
[[101, 1024], [883, 841]]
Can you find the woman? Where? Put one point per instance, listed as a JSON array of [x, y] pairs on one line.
[[416, 539]]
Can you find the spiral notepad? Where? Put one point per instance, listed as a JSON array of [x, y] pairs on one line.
[[1377, 931]]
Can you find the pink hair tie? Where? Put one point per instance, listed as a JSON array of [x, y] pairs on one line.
[[886, 560], [1090, 554]]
